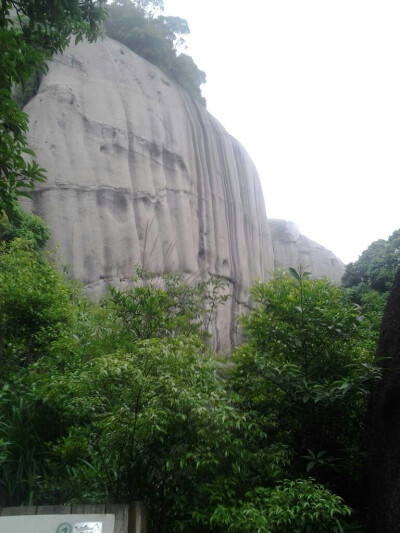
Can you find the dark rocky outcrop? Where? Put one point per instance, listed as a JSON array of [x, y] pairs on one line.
[[384, 425]]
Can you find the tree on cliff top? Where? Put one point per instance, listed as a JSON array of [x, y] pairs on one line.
[[30, 32], [157, 39], [376, 267]]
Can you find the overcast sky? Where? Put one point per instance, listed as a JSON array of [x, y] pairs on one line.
[[311, 88]]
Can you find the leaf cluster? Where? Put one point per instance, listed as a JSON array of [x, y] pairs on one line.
[[34, 305], [376, 267], [30, 32], [297, 506], [308, 361]]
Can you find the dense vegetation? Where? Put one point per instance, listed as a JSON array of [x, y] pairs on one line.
[[123, 400], [376, 267], [368, 280], [157, 39]]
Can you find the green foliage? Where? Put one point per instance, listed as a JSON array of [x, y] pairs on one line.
[[167, 305], [296, 506], [185, 72], [21, 467], [376, 267], [24, 225], [309, 363], [34, 305], [157, 39], [368, 280], [30, 32], [154, 423], [306, 323], [124, 401], [17, 175]]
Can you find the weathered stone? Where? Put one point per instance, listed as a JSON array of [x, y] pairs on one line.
[[140, 174], [291, 249]]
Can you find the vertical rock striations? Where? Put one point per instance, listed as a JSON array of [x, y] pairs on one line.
[[140, 174]]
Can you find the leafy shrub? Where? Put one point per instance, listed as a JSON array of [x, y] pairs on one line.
[[24, 225], [166, 305], [34, 305], [297, 506], [124, 401], [376, 267], [156, 424], [308, 363]]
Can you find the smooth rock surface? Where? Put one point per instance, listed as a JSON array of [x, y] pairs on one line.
[[291, 249], [140, 174]]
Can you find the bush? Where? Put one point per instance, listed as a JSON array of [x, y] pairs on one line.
[[23, 225], [34, 305], [308, 363], [297, 506], [155, 423]]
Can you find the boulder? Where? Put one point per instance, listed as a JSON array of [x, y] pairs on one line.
[[291, 249]]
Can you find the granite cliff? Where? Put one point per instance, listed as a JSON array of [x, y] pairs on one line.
[[138, 173], [291, 248]]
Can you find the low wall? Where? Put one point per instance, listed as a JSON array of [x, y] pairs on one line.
[[74, 519]]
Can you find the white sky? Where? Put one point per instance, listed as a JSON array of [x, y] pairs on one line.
[[311, 88]]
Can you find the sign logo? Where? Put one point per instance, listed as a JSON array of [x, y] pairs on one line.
[[64, 528], [88, 527]]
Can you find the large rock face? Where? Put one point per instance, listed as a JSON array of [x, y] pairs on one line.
[[140, 174], [295, 250]]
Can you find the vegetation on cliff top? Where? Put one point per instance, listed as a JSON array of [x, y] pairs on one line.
[[31, 32], [157, 38], [367, 281]]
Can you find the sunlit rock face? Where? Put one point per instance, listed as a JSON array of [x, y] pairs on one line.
[[291, 249], [140, 174]]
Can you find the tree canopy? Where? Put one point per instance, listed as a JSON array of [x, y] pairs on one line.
[[376, 267], [30, 32], [157, 38]]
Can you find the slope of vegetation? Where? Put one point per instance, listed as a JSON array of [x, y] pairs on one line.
[[368, 280], [123, 400], [156, 38], [376, 267]]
